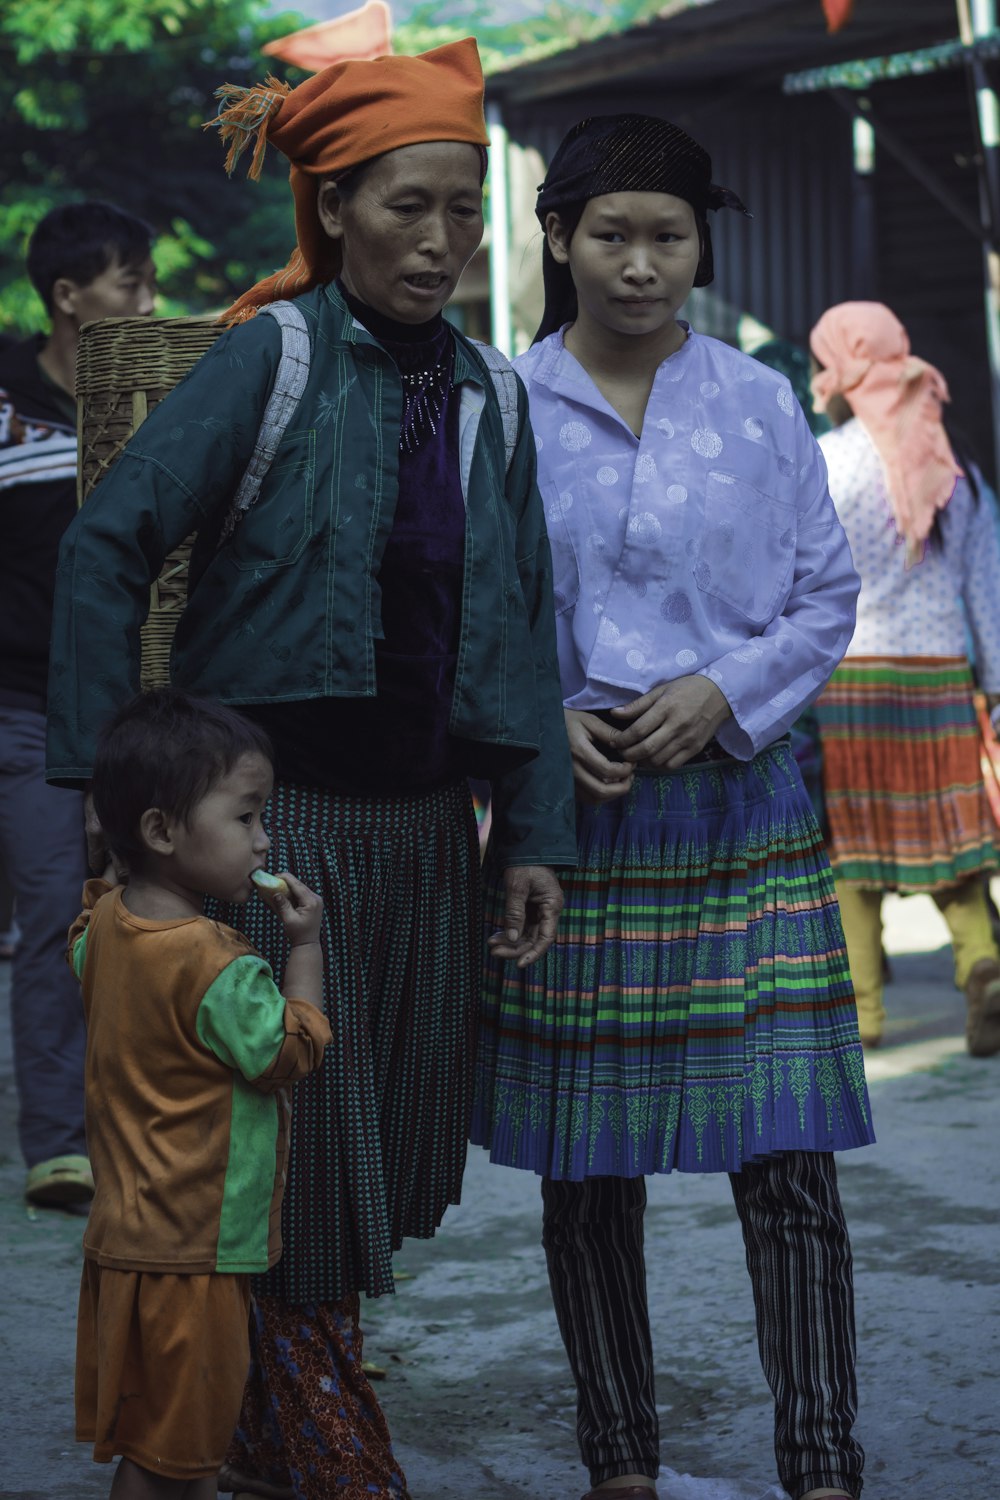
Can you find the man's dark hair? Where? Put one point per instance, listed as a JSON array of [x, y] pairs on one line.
[[80, 241], [165, 750]]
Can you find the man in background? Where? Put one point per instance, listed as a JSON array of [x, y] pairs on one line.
[[86, 260]]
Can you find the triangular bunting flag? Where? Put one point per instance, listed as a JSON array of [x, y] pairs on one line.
[[360, 35]]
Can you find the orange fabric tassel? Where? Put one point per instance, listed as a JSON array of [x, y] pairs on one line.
[[247, 115], [838, 13]]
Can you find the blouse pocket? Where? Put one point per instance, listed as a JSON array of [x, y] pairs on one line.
[[277, 526], [747, 545], [565, 567]]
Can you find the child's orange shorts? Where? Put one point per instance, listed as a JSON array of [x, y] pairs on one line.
[[161, 1361]]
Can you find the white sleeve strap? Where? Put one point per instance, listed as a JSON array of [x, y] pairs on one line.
[[286, 393], [505, 385]]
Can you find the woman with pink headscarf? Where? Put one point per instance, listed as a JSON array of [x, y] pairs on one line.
[[905, 798]]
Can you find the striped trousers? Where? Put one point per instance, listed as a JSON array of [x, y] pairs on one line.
[[799, 1258]]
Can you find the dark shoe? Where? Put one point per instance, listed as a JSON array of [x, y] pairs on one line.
[[231, 1481], [60, 1182], [982, 1023], [631, 1492]]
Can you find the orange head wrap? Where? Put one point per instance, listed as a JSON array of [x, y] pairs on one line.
[[898, 399], [346, 115]]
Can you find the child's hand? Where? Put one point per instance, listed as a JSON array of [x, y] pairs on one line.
[[301, 910]]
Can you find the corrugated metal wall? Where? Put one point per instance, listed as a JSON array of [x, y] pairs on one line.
[[929, 267], [790, 160]]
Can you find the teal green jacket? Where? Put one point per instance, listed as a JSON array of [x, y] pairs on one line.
[[288, 608]]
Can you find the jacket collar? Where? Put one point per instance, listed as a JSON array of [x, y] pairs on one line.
[[347, 330]]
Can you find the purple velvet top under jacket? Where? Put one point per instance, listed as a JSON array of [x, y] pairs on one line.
[[398, 740]]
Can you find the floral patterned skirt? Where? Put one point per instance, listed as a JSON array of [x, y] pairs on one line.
[[310, 1418], [696, 1010]]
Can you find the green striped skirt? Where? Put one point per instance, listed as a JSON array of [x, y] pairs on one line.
[[696, 1010], [378, 1135]]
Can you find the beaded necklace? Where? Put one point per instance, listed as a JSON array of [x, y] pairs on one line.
[[424, 355], [425, 392]]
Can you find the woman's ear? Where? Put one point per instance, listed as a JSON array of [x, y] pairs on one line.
[[330, 208], [558, 239], [156, 831]]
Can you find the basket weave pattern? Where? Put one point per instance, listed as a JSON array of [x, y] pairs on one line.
[[124, 368]]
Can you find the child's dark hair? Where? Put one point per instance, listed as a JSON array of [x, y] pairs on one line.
[[165, 750], [80, 241]]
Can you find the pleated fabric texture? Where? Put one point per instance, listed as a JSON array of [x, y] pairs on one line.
[[378, 1134], [904, 790], [696, 1010]]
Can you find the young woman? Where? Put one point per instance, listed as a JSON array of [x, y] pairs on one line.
[[696, 1011], [355, 612]]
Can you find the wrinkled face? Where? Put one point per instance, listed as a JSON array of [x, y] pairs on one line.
[[409, 228], [633, 258], [223, 839], [119, 292]]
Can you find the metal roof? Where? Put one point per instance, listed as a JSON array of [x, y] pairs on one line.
[[754, 42]]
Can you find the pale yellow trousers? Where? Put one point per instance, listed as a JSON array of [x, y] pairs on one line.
[[964, 909]]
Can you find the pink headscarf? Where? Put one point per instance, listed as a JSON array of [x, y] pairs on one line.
[[898, 399]]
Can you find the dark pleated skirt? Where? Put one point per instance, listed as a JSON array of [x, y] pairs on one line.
[[378, 1134]]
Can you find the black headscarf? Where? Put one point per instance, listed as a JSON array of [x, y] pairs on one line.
[[623, 154]]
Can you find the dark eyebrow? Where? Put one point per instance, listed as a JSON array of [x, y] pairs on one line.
[[426, 188], [669, 217]]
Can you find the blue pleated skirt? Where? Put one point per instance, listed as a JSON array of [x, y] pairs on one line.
[[696, 1011]]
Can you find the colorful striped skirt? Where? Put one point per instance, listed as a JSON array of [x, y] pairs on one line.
[[696, 1011], [378, 1134], [904, 791]]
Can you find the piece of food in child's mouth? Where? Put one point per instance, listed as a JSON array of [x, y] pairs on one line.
[[272, 883]]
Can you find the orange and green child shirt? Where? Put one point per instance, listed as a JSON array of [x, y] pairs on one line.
[[190, 1049]]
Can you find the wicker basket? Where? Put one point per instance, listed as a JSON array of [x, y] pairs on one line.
[[124, 367]]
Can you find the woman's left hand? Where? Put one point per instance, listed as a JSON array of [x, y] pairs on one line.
[[672, 722], [531, 911]]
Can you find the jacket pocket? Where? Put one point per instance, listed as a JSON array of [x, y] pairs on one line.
[[746, 548], [565, 567], [277, 526]]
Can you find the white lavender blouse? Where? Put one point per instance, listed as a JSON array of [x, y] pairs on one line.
[[708, 544], [921, 610]]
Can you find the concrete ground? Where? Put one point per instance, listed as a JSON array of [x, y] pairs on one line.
[[476, 1388]]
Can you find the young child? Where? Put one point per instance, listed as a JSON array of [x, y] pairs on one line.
[[190, 1047], [695, 1012]]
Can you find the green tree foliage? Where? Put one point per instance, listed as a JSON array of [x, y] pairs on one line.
[[104, 99], [538, 28]]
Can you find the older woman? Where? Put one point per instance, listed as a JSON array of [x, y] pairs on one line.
[[385, 610]]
